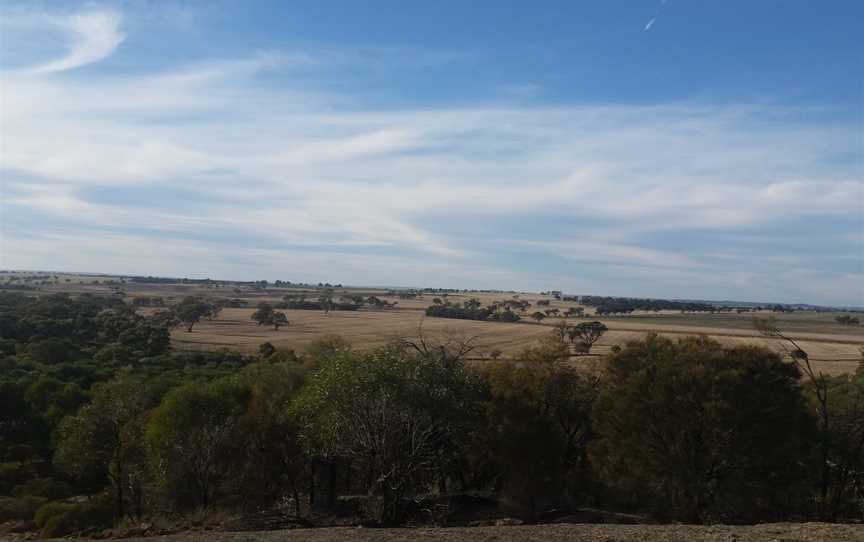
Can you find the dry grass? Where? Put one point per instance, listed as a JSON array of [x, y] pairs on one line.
[[834, 354], [235, 328], [833, 347]]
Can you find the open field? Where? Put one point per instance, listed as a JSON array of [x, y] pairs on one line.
[[234, 328], [791, 532], [834, 348]]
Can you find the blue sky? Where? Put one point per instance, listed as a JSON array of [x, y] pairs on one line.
[[684, 149]]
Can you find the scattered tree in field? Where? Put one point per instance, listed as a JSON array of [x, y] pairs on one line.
[[278, 320], [561, 331], [847, 320], [538, 316], [584, 335], [264, 314], [192, 310]]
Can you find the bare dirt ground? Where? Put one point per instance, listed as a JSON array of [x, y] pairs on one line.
[[787, 532]]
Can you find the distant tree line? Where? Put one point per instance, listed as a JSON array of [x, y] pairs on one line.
[[463, 291], [472, 309], [625, 305], [327, 303]]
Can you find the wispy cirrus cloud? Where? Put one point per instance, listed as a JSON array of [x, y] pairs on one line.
[[87, 37]]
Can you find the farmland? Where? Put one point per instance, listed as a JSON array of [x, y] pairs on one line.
[[833, 348]]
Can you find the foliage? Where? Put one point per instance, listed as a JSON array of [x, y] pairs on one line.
[[192, 310], [847, 320], [472, 310], [703, 432], [265, 315], [538, 427], [57, 519], [271, 463], [398, 416], [624, 305], [585, 334], [845, 496], [190, 438], [104, 440], [99, 418]]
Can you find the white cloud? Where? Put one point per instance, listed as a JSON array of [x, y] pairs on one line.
[[610, 252], [91, 37]]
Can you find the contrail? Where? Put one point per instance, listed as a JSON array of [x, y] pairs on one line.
[[656, 14]]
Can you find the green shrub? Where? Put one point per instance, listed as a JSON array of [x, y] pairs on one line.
[[56, 519], [12, 508]]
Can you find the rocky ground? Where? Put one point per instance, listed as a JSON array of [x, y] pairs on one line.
[[786, 532]]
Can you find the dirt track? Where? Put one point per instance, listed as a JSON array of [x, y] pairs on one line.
[[810, 532]]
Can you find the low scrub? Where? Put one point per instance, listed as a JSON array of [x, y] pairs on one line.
[[56, 519]]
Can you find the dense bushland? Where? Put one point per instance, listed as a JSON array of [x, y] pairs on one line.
[[100, 422]]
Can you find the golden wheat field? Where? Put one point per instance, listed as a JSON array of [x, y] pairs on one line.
[[834, 348]]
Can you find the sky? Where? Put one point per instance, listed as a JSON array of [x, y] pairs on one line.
[[650, 148]]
